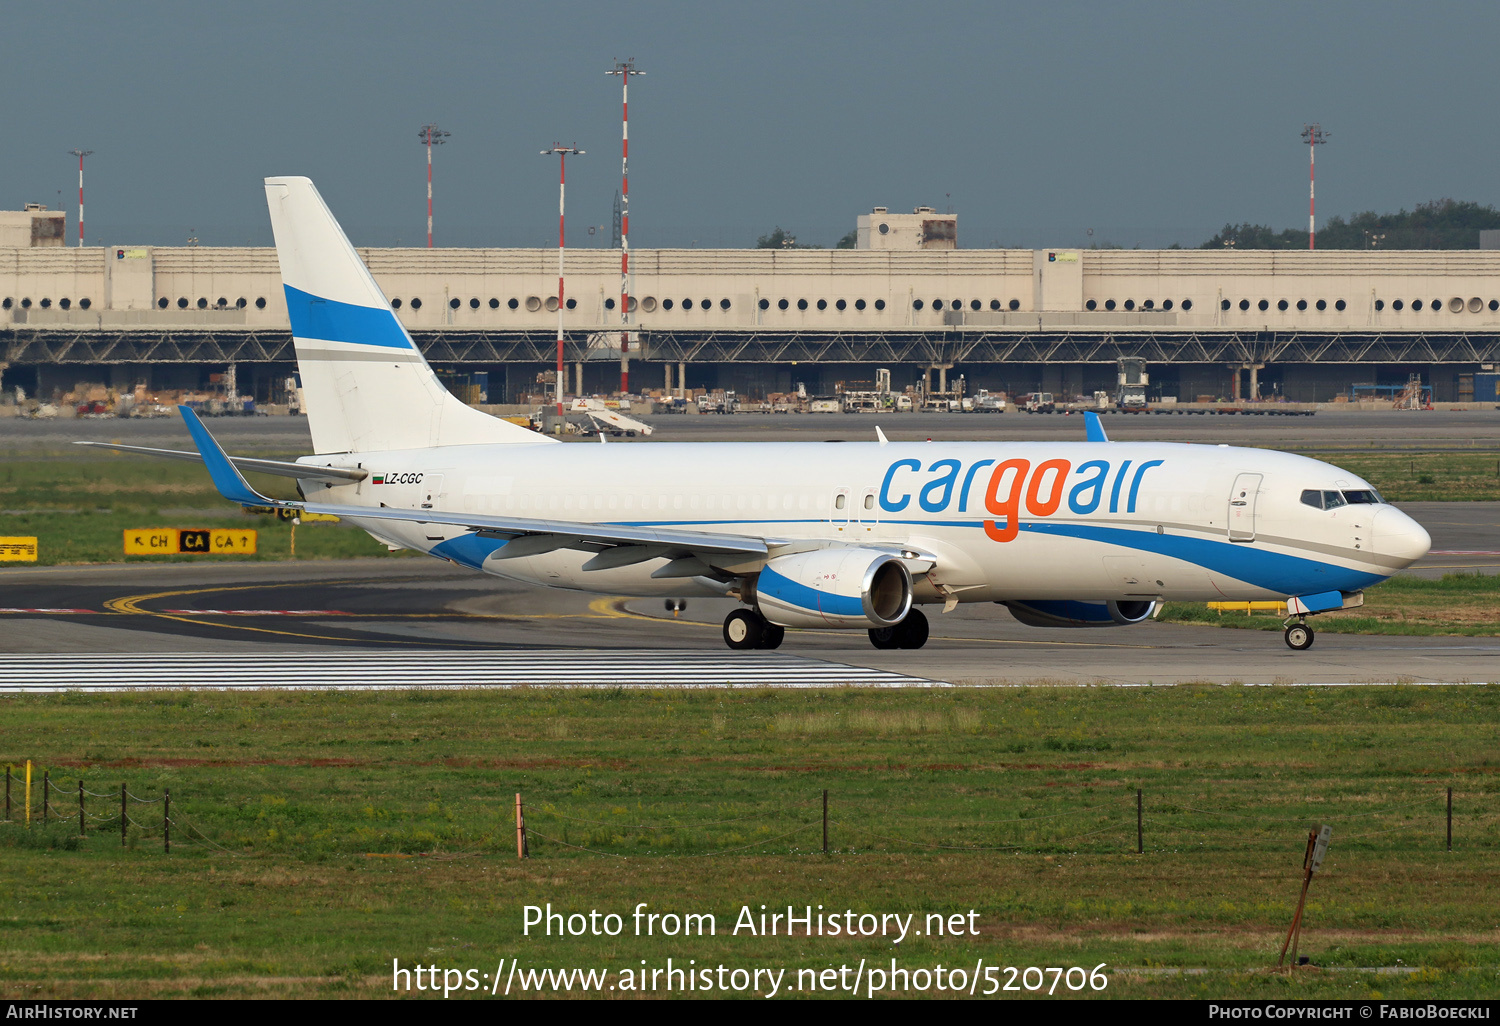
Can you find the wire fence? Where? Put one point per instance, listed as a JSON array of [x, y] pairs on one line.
[[802, 823]]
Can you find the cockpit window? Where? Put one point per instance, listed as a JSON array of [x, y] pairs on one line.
[[1363, 497], [1312, 497], [1332, 499]]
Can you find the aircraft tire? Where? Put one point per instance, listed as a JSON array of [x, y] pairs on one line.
[[743, 628], [883, 637], [912, 631], [1299, 637], [772, 635]]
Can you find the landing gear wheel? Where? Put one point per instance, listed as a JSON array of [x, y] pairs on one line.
[[744, 628], [1299, 636], [772, 635], [883, 637], [912, 631]]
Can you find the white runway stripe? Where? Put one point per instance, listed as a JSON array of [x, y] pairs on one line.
[[312, 670]]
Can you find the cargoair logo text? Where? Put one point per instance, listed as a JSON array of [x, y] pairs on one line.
[[1013, 485], [404, 478]]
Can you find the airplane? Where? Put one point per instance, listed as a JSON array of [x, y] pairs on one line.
[[840, 535]]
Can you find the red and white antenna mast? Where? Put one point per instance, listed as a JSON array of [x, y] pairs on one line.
[[431, 135], [625, 69], [1314, 136], [80, 154], [561, 153]]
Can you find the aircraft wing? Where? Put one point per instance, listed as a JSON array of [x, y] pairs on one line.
[[616, 544], [301, 471]]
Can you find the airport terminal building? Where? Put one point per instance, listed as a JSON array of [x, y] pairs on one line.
[[1307, 326]]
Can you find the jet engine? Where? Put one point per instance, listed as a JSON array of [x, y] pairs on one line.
[[835, 587], [1113, 613]]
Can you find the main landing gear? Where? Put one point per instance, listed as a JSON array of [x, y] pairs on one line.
[[909, 633], [1299, 636], [745, 628]]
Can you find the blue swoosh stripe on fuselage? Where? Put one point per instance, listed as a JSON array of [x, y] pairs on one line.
[[332, 321], [1274, 571]]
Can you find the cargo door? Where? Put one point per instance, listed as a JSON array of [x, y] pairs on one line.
[[1242, 507]]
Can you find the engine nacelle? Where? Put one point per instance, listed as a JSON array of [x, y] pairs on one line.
[[837, 587], [1113, 613]]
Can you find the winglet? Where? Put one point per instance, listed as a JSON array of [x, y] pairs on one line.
[[881, 435], [226, 477], [1095, 428]]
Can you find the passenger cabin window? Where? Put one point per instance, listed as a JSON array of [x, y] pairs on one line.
[[869, 502], [838, 502]]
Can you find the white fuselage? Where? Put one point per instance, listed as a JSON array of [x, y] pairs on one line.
[[1004, 520]]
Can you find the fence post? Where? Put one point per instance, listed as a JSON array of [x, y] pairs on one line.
[[80, 809], [825, 821], [28, 794], [1140, 825], [520, 829], [46, 795], [166, 820], [123, 820], [7, 792], [1450, 819]]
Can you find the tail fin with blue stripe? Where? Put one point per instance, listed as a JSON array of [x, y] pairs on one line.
[[366, 385]]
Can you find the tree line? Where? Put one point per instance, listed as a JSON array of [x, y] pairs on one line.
[[1439, 224]]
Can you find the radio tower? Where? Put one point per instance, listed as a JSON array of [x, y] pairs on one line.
[[431, 135], [625, 69], [80, 154], [1314, 136], [561, 152]]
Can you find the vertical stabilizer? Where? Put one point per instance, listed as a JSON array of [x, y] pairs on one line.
[[365, 383]]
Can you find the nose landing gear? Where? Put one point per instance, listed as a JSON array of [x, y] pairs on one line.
[[1299, 636]]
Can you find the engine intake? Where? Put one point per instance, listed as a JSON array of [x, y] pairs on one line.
[[841, 587], [1056, 613]]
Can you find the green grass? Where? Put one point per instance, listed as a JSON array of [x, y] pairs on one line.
[[1423, 477], [1016, 802], [78, 510], [1455, 604]]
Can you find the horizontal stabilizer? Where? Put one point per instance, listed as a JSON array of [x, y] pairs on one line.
[[301, 471]]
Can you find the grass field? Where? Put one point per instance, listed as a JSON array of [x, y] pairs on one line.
[[320, 835], [1424, 477], [1455, 604], [78, 510]]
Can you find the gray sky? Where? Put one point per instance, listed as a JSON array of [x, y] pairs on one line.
[[1149, 122]]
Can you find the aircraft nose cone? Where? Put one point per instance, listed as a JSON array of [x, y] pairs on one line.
[[1396, 534]]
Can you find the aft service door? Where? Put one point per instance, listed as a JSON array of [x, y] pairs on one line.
[[1242, 507]]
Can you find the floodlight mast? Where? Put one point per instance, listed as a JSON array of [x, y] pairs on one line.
[[625, 69], [80, 154], [561, 152], [431, 135], [1314, 136]]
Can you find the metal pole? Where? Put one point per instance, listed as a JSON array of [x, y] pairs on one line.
[[46, 795], [166, 821], [1312, 194], [562, 194], [1312, 838], [624, 69], [81, 817], [1450, 819], [1140, 826], [80, 154], [429, 189], [123, 819], [28, 794], [825, 821], [7, 792]]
